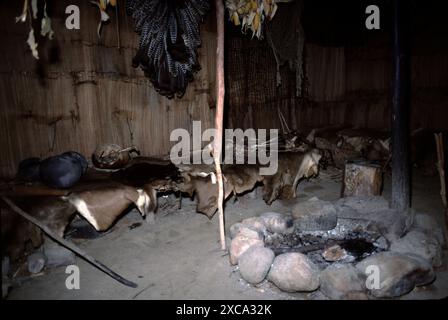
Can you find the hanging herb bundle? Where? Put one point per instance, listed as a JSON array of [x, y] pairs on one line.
[[45, 25]]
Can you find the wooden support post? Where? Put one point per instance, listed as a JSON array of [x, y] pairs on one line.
[[400, 198], [219, 116]]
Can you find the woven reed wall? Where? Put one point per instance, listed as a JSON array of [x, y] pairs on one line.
[[83, 91], [346, 86]]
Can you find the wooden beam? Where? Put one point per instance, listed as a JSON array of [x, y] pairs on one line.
[[400, 198]]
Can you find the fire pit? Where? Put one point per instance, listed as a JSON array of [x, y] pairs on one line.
[[355, 248]]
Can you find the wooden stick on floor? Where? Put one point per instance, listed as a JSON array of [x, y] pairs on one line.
[[68, 244], [220, 92]]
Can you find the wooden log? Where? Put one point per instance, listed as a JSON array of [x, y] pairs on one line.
[[362, 179]]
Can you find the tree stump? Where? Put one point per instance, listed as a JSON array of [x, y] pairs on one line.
[[362, 178]]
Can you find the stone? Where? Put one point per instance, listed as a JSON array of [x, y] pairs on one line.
[[57, 255], [254, 264], [390, 223], [421, 244], [429, 225], [334, 253], [248, 232], [314, 215], [363, 204], [234, 229], [239, 245], [381, 243], [255, 223], [277, 222], [373, 214], [343, 282], [36, 262], [398, 274], [294, 272]]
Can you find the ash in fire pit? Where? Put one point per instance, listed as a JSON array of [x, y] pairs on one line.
[[331, 246], [359, 248], [323, 250]]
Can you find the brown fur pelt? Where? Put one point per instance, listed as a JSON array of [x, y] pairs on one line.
[[292, 167], [198, 180]]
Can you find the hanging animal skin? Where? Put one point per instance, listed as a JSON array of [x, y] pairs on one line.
[[169, 38]]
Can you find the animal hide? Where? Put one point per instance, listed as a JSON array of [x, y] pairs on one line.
[[198, 180], [292, 167], [101, 207]]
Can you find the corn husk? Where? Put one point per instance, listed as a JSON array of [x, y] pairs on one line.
[[251, 14]]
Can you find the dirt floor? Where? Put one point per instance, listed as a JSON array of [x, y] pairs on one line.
[[179, 257]]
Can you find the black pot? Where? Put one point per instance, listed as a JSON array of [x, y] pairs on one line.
[[61, 171]]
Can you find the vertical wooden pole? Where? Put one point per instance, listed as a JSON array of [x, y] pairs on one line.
[[441, 167], [400, 198], [220, 92]]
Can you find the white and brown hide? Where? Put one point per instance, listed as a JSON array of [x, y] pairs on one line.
[[292, 167], [200, 180], [102, 206]]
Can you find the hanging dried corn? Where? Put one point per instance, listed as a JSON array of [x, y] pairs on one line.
[[104, 17], [251, 14]]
